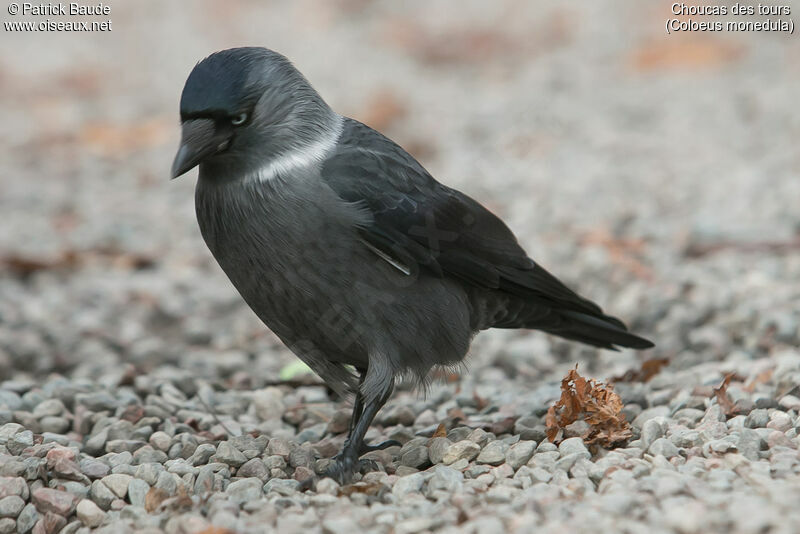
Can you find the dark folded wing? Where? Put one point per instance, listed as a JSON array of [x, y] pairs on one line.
[[422, 224]]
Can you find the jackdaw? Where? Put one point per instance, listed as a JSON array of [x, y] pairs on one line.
[[346, 247]]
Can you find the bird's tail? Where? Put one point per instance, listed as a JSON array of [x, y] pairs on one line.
[[601, 331]]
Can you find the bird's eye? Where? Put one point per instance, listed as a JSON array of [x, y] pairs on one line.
[[239, 119]]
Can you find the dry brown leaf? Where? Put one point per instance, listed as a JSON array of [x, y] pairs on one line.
[[761, 378], [724, 401], [367, 488], [480, 402], [216, 530], [441, 431], [595, 403], [649, 369], [154, 498]]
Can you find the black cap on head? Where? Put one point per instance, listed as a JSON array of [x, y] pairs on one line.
[[223, 83]]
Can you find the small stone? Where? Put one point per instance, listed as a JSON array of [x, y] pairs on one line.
[[148, 454], [519, 453], [202, 454], [790, 402], [54, 425], [284, 487], [779, 421], [167, 482], [749, 444], [446, 479], [493, 453], [160, 441], [50, 500], [437, 447], [19, 442], [416, 456], [328, 486], [464, 449], [137, 491], [651, 431], [303, 474], [399, 415], [228, 454], [340, 422], [244, 490], [13, 486], [408, 484], [254, 468], [268, 403], [757, 419], [118, 484], [124, 445], [11, 506], [27, 518], [573, 446], [100, 494], [98, 401], [51, 523], [664, 447], [279, 447], [90, 514], [339, 524]]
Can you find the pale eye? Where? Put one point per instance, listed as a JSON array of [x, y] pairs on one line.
[[239, 119]]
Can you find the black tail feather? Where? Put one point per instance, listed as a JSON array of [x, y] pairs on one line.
[[604, 331]]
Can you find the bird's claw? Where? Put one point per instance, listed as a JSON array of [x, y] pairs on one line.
[[380, 446], [345, 466]]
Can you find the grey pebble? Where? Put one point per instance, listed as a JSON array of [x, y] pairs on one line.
[[244, 490], [137, 491], [494, 453], [461, 450], [663, 447], [11, 506]]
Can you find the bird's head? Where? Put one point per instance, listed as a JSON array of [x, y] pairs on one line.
[[242, 107]]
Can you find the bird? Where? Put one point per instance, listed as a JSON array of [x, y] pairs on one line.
[[366, 267]]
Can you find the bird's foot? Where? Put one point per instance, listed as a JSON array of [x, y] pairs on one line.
[[345, 466], [347, 463], [380, 446]]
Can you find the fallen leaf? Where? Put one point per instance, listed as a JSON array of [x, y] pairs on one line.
[[480, 402], [761, 378], [724, 401], [596, 403], [441, 431], [649, 369], [154, 498], [215, 530], [367, 488]]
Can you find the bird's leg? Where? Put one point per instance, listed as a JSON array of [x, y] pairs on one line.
[[358, 409], [346, 463]]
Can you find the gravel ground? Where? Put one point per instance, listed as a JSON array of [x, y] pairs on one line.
[[658, 175]]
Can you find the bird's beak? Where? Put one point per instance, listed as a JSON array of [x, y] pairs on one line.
[[199, 140]]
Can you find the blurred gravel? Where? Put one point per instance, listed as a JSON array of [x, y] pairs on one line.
[[658, 175]]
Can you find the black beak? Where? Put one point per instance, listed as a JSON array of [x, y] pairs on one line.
[[199, 140]]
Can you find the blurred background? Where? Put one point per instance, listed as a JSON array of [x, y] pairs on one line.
[[658, 174]]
